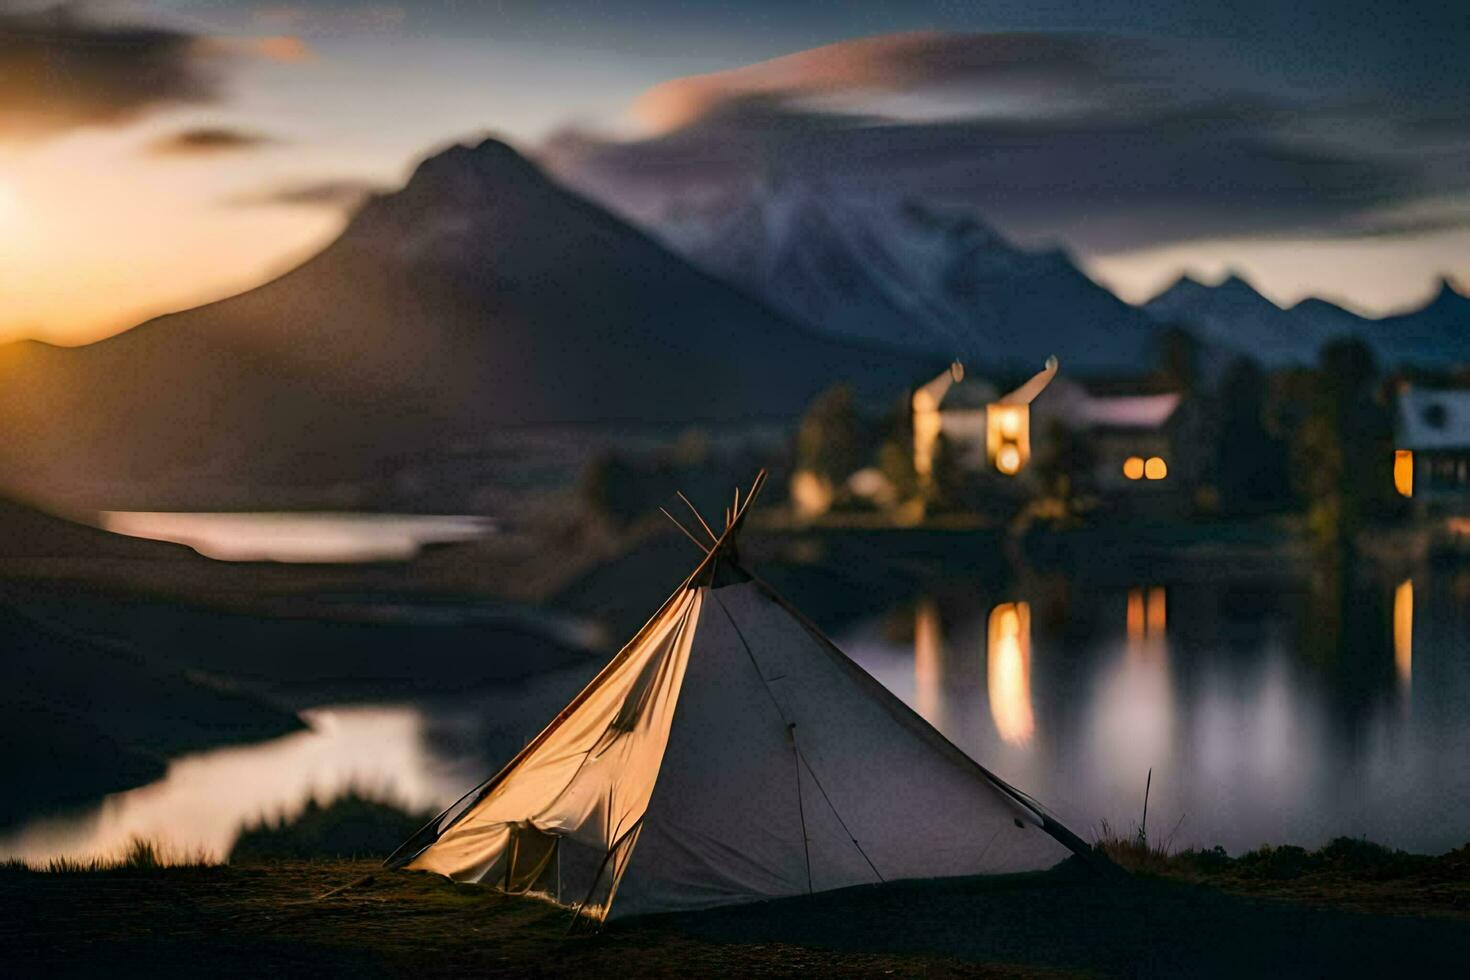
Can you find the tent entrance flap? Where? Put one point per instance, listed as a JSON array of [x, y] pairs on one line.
[[585, 782]]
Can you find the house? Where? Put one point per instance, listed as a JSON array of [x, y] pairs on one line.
[[1142, 444], [1141, 447], [1132, 439], [1432, 448], [988, 432]]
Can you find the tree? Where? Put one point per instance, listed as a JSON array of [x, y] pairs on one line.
[[1250, 461], [832, 442], [1343, 449], [1179, 358]]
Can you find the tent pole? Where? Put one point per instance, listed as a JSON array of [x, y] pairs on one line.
[[698, 516], [687, 533]]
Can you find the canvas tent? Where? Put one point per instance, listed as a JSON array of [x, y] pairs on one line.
[[730, 753]]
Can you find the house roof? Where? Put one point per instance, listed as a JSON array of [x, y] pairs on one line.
[[1434, 419], [1130, 411]]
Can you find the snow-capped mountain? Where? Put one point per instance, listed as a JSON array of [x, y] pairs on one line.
[[1233, 315], [929, 277]]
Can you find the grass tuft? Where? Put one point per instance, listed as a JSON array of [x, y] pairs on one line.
[[139, 855]]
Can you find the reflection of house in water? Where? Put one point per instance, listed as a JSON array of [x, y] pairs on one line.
[[1147, 620], [1432, 455], [929, 664], [1403, 632], [1008, 671], [947, 674]]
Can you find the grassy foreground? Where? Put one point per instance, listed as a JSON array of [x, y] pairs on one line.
[[252, 920]]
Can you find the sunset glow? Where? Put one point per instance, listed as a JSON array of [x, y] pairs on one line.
[[302, 96]]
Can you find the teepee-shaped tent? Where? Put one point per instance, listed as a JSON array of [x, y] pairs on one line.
[[730, 753]]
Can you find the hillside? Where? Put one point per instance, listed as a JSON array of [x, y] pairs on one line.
[[480, 297]]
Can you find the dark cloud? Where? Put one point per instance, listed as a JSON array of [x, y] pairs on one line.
[[208, 141], [61, 68], [1103, 145], [343, 193]]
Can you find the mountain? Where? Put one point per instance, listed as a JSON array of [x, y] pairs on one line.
[[479, 297], [1436, 334], [1234, 315], [897, 271]]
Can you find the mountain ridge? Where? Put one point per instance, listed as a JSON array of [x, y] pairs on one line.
[[1235, 315], [481, 295], [900, 270]]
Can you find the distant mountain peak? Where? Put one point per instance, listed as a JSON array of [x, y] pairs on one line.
[[1448, 294], [465, 170]]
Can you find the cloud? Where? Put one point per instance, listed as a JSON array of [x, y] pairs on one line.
[[380, 18], [889, 64], [209, 141], [1105, 144], [62, 68], [343, 193]]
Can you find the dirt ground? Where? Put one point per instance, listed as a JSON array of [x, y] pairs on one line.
[[271, 919]]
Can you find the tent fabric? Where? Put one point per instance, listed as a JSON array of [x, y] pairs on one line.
[[732, 754], [586, 781]]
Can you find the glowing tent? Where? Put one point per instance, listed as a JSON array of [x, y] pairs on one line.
[[730, 753]]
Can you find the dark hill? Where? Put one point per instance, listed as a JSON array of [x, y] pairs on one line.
[[480, 296]]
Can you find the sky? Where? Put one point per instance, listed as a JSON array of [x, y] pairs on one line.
[[155, 154]]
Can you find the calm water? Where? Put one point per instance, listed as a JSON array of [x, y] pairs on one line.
[[306, 537], [1266, 715]]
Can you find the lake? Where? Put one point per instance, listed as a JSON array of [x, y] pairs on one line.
[[1267, 714], [299, 537]]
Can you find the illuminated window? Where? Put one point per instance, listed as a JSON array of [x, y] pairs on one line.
[[1133, 467], [1010, 424], [1008, 436], [1008, 459], [1403, 472], [1155, 468]]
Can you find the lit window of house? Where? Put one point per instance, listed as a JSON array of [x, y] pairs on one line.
[[1403, 472], [1154, 468], [1008, 436], [1432, 461]]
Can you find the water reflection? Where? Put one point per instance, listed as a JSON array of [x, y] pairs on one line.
[[1147, 620], [205, 800], [928, 661], [318, 537], [1131, 717], [1008, 671], [1269, 713], [1403, 631]]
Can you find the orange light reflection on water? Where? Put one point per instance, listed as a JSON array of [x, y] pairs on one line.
[[928, 666], [1008, 671], [1403, 631]]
